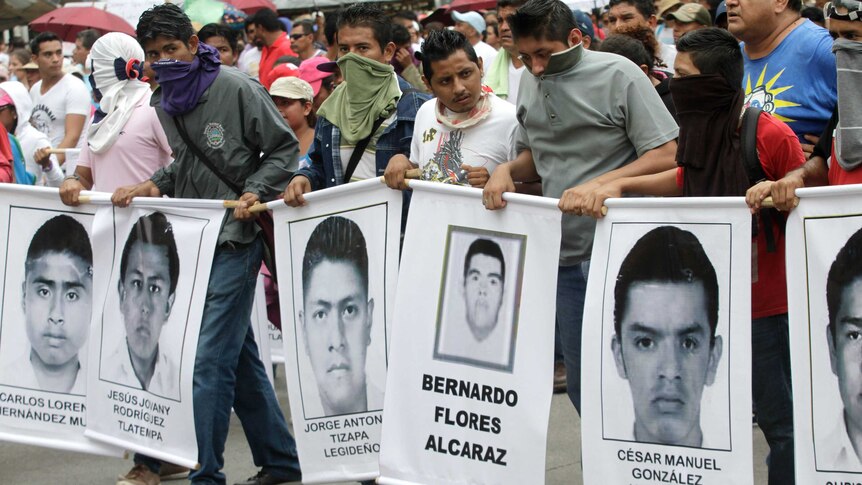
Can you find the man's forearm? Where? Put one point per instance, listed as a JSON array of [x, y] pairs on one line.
[[656, 184], [654, 161], [522, 168], [815, 172]]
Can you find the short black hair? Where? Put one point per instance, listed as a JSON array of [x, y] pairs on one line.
[[714, 51], [813, 14], [165, 20], [440, 44], [60, 234], [335, 239], [488, 248], [406, 15], [509, 3], [666, 254], [88, 37], [846, 269], [400, 35], [42, 38], [645, 7], [795, 5], [155, 229], [296, 61], [629, 48], [307, 26], [543, 19], [218, 30], [330, 26], [267, 19], [367, 15]]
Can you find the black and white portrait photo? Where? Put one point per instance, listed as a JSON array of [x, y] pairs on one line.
[[147, 307], [665, 308], [836, 341], [478, 312], [48, 301], [340, 321]]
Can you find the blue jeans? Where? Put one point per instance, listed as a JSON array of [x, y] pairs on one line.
[[571, 290], [772, 393]]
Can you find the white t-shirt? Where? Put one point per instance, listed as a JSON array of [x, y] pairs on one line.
[[68, 97], [367, 166], [437, 148], [487, 53], [668, 55], [514, 82], [249, 60]]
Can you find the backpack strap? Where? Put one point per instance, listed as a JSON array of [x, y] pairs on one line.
[[769, 218]]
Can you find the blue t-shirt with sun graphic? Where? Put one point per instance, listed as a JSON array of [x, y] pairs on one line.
[[796, 82]]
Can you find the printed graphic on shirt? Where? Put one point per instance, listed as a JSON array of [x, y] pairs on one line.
[[42, 118], [765, 95], [214, 133], [445, 165]]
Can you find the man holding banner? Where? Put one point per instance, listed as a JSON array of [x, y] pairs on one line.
[[221, 161], [622, 130], [57, 290]]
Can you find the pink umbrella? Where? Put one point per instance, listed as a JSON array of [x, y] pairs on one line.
[[252, 6], [66, 22]]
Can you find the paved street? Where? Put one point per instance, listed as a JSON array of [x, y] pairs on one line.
[[27, 465]]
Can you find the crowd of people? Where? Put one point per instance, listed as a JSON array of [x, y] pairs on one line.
[[662, 98]]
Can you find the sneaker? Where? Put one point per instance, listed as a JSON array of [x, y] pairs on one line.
[[264, 478], [140, 475], [559, 377], [169, 471]]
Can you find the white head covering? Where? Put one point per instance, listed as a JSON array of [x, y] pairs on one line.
[[23, 104], [120, 93]]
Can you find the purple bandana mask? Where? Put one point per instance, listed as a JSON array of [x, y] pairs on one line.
[[183, 83]]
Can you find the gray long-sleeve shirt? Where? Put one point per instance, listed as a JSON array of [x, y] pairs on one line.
[[238, 128]]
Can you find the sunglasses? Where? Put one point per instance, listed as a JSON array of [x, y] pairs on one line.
[[298, 36], [853, 7]]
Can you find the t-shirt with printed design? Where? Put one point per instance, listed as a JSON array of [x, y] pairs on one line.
[[68, 97], [440, 151], [796, 82]]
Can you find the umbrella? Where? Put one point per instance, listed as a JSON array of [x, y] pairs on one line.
[[252, 6], [66, 22]]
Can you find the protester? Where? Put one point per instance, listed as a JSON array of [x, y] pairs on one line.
[[789, 66], [635, 51], [233, 376], [294, 99], [83, 43], [249, 58], [709, 100], [622, 130], [491, 36], [404, 61], [588, 35], [664, 29], [407, 20], [471, 24], [15, 109], [836, 157], [372, 107], [17, 60], [61, 103], [322, 82], [503, 74], [31, 72], [465, 132], [268, 31], [639, 13], [302, 40], [126, 143], [223, 40], [689, 17]]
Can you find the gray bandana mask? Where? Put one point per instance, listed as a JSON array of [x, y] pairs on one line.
[[848, 138]]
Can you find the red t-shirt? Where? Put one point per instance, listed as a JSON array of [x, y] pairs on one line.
[[779, 152], [839, 176], [270, 54], [5, 156]]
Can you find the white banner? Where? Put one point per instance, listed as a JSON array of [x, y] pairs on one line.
[[824, 279], [667, 344], [337, 277], [158, 254], [469, 390], [273, 334], [260, 326], [47, 291]]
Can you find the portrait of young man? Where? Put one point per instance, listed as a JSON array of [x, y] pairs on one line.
[[149, 270], [57, 304], [474, 326], [336, 319], [665, 344], [840, 449]]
